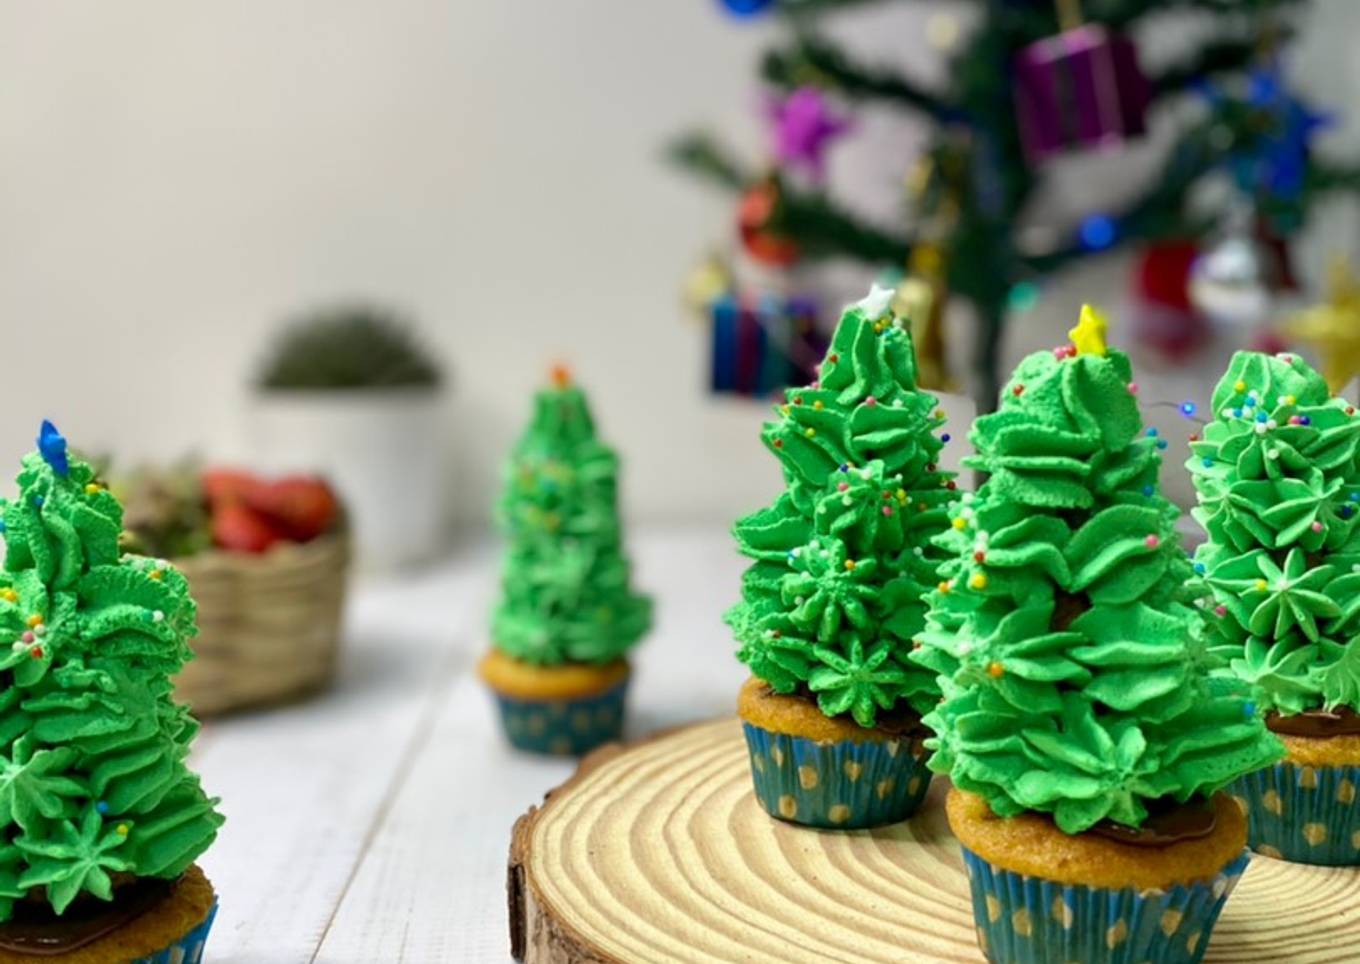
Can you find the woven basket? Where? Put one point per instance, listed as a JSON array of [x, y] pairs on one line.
[[269, 625]]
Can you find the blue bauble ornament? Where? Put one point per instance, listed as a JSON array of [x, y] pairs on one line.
[[746, 8]]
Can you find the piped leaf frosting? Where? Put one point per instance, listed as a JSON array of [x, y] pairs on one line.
[[565, 594], [1074, 677], [92, 746], [833, 600], [1278, 481]]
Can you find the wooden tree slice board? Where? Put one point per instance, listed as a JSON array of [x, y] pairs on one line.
[[660, 852]]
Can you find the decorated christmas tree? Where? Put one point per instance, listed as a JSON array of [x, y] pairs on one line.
[[1013, 86], [567, 615], [1278, 479], [842, 558], [1075, 679], [93, 782]]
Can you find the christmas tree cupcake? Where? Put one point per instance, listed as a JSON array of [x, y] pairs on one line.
[[566, 617], [1278, 482], [1082, 729], [832, 603], [100, 820]]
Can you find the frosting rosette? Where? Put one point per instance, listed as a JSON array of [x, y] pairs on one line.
[[93, 781], [1278, 483], [1075, 678], [565, 585], [842, 557]]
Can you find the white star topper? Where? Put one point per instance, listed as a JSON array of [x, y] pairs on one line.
[[875, 304]]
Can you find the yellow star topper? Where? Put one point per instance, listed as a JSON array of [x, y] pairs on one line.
[[1333, 327], [1089, 335]]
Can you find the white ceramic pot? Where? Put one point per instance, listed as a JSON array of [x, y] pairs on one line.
[[384, 452]]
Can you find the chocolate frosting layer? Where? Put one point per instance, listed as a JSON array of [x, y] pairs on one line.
[[1342, 721], [1163, 827], [34, 929]]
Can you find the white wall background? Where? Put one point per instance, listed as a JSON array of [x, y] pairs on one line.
[[175, 176]]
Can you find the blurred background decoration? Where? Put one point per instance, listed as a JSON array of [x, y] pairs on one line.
[[1027, 83], [266, 560], [350, 392]]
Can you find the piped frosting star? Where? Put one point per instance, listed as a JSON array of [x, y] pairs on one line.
[[1089, 336]]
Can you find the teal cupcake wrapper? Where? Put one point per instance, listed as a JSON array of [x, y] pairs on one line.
[[564, 727], [188, 949], [843, 785], [1305, 814], [1030, 920]]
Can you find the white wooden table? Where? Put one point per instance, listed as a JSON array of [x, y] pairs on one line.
[[372, 823]]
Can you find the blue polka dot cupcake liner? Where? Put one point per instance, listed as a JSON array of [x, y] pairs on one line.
[[844, 785], [188, 949], [1305, 814], [564, 727], [1030, 920]]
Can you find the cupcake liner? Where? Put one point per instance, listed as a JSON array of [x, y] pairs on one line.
[[842, 785], [1030, 920], [564, 727], [1300, 813], [188, 949]]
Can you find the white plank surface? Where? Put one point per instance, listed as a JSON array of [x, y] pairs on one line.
[[372, 823]]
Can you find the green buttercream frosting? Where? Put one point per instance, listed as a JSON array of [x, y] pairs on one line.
[[565, 586], [1278, 480], [833, 600], [92, 745], [1074, 675]]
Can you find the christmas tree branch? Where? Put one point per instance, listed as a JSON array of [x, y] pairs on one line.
[[824, 229], [1222, 56], [1324, 177], [708, 160], [816, 61]]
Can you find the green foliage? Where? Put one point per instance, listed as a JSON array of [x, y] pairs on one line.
[[164, 510], [350, 346]]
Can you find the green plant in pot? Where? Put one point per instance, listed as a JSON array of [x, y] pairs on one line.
[[351, 392]]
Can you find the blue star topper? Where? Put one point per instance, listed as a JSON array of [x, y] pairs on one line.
[[52, 447]]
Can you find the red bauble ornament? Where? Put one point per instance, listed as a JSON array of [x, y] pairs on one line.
[[754, 214], [1164, 318]]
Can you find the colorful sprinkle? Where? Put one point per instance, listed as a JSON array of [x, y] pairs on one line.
[[1237, 413], [811, 433], [1199, 568], [1152, 433], [945, 586], [995, 670], [28, 636], [34, 620], [958, 522], [1289, 399], [1132, 387], [978, 581], [123, 829], [1220, 610], [1239, 386], [871, 401], [842, 486], [1260, 585], [1018, 390], [1316, 526], [91, 488], [1305, 420], [1148, 490], [849, 565], [779, 443], [1249, 709], [1194, 436], [817, 405], [9, 595], [1187, 408], [1152, 541], [979, 556], [101, 807], [887, 510], [944, 437], [36, 652], [1161, 443]]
